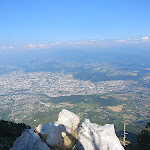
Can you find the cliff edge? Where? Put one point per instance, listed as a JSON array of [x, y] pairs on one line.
[[69, 133]]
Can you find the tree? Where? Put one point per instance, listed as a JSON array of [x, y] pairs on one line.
[[144, 139]]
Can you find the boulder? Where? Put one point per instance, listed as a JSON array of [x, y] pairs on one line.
[[95, 137], [55, 132], [52, 132], [29, 140], [90, 136], [69, 120]]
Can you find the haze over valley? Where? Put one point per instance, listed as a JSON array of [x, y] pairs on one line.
[[104, 90], [91, 58]]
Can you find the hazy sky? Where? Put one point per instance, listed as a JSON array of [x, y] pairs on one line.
[[72, 20]]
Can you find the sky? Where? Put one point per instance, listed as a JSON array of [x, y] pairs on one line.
[[48, 23]]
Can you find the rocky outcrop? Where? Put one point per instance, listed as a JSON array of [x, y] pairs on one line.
[[55, 132], [94, 137], [69, 120], [90, 136], [52, 132], [29, 140]]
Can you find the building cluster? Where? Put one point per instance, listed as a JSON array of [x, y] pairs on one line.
[[22, 94]]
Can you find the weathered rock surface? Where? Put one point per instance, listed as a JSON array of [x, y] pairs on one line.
[[94, 137], [29, 141], [90, 136], [54, 132], [69, 120]]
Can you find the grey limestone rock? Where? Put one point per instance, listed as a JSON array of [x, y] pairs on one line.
[[54, 132], [94, 137], [29, 140], [90, 136], [69, 120]]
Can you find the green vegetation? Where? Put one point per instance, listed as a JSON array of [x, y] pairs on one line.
[[130, 105], [93, 99], [95, 76], [95, 108], [42, 117], [9, 131], [144, 139]]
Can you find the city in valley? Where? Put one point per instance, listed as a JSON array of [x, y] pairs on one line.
[[36, 97]]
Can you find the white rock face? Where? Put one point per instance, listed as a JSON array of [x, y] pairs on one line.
[[54, 132], [69, 120], [29, 141], [94, 137], [90, 136]]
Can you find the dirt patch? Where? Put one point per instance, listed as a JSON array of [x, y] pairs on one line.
[[116, 108], [124, 98]]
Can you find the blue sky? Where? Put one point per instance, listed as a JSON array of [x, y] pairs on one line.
[[53, 21]]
